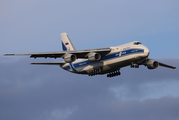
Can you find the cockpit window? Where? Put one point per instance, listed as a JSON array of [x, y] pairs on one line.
[[137, 43]]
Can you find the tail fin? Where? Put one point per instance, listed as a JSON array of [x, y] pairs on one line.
[[66, 42]]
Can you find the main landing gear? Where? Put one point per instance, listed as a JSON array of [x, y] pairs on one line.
[[134, 66], [113, 74], [94, 72]]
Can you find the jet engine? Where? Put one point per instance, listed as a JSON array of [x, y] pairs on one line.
[[70, 58], [94, 56], [151, 64]]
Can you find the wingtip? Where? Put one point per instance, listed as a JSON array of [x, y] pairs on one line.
[[8, 54], [32, 63]]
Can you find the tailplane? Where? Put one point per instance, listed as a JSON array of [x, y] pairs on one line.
[[66, 42]]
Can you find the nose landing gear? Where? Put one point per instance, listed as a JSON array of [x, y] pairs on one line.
[[134, 66]]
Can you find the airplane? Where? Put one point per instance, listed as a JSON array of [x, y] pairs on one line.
[[99, 61]]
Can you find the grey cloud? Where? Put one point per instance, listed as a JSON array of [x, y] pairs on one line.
[[164, 108], [46, 92]]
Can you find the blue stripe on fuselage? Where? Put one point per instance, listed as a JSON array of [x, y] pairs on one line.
[[110, 56], [71, 65], [67, 67], [122, 53]]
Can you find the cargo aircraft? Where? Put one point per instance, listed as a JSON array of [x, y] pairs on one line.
[[99, 61]]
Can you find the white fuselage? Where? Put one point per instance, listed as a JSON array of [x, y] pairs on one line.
[[118, 57]]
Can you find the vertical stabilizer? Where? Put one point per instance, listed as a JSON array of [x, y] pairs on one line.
[[66, 42]]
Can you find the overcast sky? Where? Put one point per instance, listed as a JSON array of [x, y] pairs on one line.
[[30, 92]]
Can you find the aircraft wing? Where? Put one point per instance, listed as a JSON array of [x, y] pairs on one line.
[[50, 63], [159, 64], [165, 65], [78, 53]]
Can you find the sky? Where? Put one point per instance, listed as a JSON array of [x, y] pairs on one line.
[[33, 92]]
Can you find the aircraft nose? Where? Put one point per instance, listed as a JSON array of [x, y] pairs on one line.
[[146, 51]]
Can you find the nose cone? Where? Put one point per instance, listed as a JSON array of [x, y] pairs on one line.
[[146, 51]]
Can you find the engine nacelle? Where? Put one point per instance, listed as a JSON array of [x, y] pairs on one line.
[[94, 56], [70, 58], [151, 64]]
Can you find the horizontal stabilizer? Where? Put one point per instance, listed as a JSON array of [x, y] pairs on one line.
[[50, 63]]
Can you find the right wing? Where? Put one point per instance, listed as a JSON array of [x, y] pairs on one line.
[[78, 53], [51, 63]]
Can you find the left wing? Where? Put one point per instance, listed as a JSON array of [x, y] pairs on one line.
[[165, 65], [152, 64], [78, 53]]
